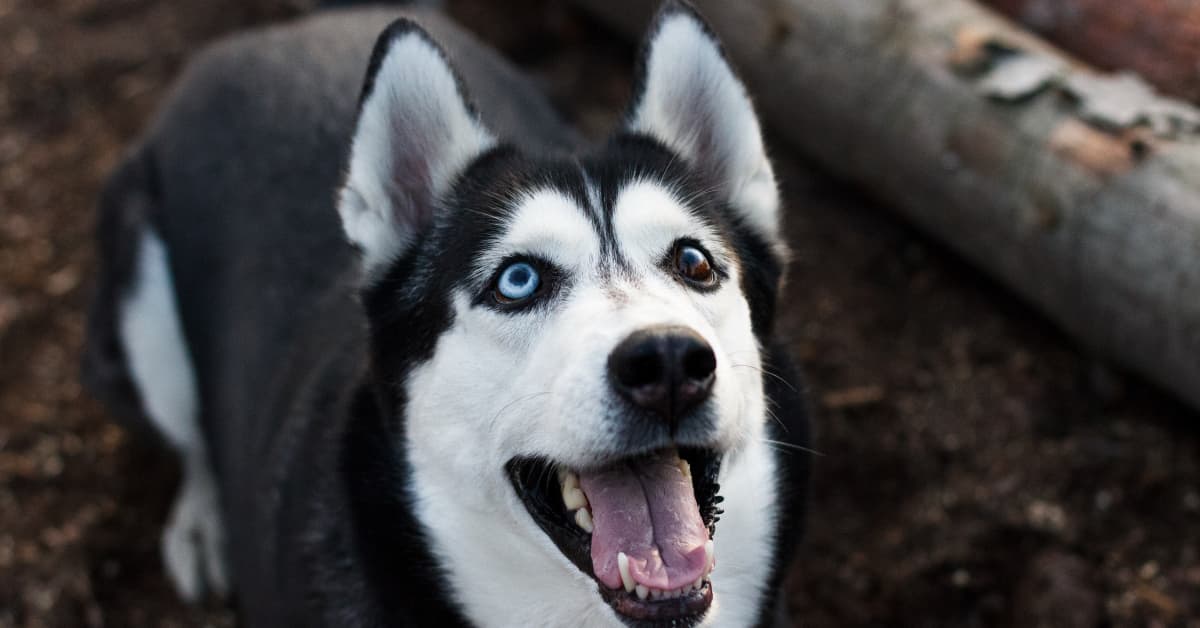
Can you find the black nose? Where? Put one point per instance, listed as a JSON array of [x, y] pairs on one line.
[[666, 370]]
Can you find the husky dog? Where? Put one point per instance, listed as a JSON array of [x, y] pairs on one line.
[[427, 364]]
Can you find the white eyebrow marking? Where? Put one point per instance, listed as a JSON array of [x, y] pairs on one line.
[[549, 224], [648, 218]]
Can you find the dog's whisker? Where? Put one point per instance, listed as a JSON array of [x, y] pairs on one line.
[[492, 423], [768, 373], [782, 446], [775, 417]]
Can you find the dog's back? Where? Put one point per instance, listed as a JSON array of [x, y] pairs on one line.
[[222, 220]]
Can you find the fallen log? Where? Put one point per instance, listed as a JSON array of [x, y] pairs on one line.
[[1158, 39], [1080, 192]]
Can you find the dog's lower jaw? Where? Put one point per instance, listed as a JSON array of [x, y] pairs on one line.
[[502, 569]]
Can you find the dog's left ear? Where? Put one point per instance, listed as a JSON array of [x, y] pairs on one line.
[[416, 132], [690, 99]]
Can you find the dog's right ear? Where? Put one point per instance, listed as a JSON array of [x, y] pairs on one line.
[[416, 131]]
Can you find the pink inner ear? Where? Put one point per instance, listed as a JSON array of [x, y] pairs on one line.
[[415, 130], [411, 191], [694, 103]]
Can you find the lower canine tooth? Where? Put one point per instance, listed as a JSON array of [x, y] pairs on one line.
[[623, 567], [583, 519], [710, 556], [698, 583], [642, 592]]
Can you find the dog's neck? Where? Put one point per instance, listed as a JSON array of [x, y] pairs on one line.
[[377, 557]]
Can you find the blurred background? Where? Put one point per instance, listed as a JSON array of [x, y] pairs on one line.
[[977, 467]]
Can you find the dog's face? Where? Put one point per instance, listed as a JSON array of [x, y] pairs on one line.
[[573, 345]]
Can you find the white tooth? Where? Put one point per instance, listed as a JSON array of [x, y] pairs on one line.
[[623, 567], [656, 594], [710, 557], [698, 583], [642, 592], [568, 480], [574, 498], [685, 468], [583, 519]]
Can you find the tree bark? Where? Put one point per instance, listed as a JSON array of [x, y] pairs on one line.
[[1159, 39], [1096, 226]]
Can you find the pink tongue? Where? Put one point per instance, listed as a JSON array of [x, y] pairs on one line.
[[646, 508]]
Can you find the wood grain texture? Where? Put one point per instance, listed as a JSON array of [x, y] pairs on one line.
[[1159, 39]]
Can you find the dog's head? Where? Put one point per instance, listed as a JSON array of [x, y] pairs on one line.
[[572, 343]]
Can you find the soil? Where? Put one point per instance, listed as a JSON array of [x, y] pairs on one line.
[[976, 466]]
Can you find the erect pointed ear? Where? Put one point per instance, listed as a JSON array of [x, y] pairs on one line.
[[690, 99], [416, 131]]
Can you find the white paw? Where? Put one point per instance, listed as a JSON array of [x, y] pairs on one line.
[[193, 544]]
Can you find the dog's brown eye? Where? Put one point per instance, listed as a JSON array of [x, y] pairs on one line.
[[692, 264]]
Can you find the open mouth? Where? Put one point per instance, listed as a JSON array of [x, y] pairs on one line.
[[641, 526]]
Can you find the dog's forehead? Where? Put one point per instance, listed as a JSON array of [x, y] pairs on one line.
[[632, 223]]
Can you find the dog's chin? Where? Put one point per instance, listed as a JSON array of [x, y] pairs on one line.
[[542, 485]]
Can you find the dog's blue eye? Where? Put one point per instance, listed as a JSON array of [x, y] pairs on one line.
[[518, 281]]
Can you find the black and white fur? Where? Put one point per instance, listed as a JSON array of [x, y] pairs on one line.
[[343, 401]]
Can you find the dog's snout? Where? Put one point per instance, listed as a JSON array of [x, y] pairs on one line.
[[666, 370]]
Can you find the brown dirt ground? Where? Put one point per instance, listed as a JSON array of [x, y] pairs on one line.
[[977, 467]]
